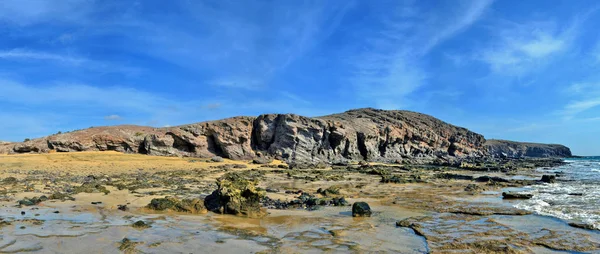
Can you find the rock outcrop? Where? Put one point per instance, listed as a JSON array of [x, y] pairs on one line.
[[235, 195], [361, 134], [512, 149]]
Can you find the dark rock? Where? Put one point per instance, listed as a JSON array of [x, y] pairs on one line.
[[140, 225], [491, 179], [332, 190], [549, 178], [575, 194], [123, 207], [194, 206], [512, 195], [32, 201], [235, 195], [339, 201], [262, 160], [454, 176], [582, 225], [97, 203], [9, 180], [361, 209], [91, 187], [61, 196], [272, 190]]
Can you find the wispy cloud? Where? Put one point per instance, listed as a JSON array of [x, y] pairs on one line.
[[29, 12], [519, 48], [113, 118], [22, 54], [238, 44], [391, 68], [84, 96], [585, 96], [68, 60]]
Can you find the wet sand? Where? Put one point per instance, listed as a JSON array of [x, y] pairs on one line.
[[432, 214]]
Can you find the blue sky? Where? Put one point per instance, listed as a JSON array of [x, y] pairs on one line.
[[520, 70]]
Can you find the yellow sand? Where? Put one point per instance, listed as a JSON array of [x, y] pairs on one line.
[[106, 162]]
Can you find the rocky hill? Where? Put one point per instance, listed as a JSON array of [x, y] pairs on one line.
[[362, 134], [505, 148]]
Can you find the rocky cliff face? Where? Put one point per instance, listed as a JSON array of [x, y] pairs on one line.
[[362, 134], [504, 148]]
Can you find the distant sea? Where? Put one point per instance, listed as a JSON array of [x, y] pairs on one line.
[[576, 197]]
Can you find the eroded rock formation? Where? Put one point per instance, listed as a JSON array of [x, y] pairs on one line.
[[362, 134]]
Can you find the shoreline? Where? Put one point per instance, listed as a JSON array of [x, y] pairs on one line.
[[420, 205]]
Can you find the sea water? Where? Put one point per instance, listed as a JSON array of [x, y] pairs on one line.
[[574, 197]]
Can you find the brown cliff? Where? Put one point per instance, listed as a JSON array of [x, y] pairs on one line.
[[362, 134]]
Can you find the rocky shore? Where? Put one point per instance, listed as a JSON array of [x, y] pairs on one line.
[[268, 207]]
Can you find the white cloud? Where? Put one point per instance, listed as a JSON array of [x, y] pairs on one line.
[[519, 49]]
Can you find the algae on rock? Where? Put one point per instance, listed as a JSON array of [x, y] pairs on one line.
[[236, 195]]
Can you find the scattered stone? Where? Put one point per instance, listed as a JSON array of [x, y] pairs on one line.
[[32, 201], [339, 201], [217, 159], [56, 212], [22, 212], [474, 188], [332, 190], [9, 180], [123, 207], [91, 187], [128, 246], [140, 225], [97, 203], [61, 196], [272, 190], [361, 209], [262, 160], [549, 178], [512, 195], [235, 195]]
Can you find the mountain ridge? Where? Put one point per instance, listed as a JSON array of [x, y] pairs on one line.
[[360, 134]]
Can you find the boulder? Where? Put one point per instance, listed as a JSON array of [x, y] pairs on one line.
[[195, 206], [549, 178], [235, 195], [513, 195], [361, 209]]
